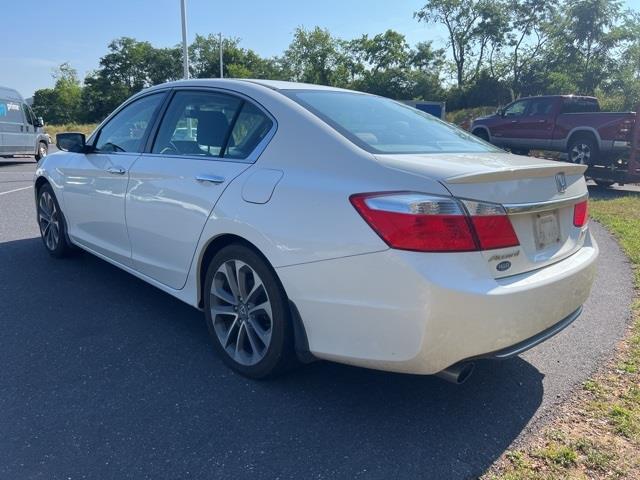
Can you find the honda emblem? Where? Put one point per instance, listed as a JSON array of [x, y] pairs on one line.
[[561, 182]]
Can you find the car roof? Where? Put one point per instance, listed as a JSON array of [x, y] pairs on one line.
[[10, 94], [230, 82], [559, 96]]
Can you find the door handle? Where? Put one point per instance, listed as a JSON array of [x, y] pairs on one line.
[[210, 179], [116, 170], [542, 121]]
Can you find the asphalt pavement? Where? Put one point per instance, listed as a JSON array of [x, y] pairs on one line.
[[103, 376]]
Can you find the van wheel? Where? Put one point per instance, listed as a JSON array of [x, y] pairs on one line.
[[247, 313], [43, 150], [582, 150]]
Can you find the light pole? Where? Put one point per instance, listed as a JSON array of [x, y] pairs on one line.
[[185, 50]]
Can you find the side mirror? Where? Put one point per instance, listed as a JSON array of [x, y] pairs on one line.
[[500, 112], [71, 142], [39, 122]]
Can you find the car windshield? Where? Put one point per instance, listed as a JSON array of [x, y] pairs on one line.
[[380, 125]]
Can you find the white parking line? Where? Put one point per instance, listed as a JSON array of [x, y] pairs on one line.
[[16, 190]]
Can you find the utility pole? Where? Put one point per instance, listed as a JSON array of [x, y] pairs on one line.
[[185, 50], [220, 45]]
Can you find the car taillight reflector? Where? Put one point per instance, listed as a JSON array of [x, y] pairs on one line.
[[429, 223], [581, 214]]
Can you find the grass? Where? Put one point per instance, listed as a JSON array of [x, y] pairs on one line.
[[597, 434], [85, 128]]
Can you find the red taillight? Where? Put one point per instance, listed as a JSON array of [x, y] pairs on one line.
[[427, 223], [581, 214]]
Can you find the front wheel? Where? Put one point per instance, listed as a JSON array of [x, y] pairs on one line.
[[247, 313], [52, 224], [43, 150]]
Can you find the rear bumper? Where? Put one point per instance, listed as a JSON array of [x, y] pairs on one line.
[[421, 313]]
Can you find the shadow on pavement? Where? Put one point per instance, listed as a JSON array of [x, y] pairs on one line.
[[104, 376]]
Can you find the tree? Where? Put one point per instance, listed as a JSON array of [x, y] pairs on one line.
[[472, 26], [315, 57], [62, 103]]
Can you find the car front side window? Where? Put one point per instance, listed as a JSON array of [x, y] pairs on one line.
[[515, 109], [126, 131]]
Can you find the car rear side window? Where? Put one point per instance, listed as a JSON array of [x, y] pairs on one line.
[[126, 131], [251, 127], [197, 124], [10, 111], [540, 106]]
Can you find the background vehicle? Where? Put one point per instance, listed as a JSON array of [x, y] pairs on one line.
[[20, 131], [563, 123], [332, 223]]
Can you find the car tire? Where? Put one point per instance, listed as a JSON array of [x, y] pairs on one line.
[[52, 224], [247, 313], [582, 150], [520, 151], [43, 150], [482, 134]]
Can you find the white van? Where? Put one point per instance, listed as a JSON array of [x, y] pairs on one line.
[[20, 131]]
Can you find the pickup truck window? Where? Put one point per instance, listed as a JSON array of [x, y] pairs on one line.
[[580, 105], [516, 109], [540, 106]]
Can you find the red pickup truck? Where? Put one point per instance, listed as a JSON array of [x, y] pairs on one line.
[[563, 123]]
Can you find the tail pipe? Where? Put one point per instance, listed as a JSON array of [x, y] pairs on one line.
[[457, 373]]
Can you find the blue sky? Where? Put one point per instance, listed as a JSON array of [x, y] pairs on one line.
[[37, 35]]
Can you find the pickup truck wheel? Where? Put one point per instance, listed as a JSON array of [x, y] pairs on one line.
[[604, 183], [582, 150], [43, 149], [480, 133]]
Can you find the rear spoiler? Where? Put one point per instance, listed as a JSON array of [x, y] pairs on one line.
[[547, 170]]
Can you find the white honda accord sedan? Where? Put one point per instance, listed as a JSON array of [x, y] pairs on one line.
[[313, 222]]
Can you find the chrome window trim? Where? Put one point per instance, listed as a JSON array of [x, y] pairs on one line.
[[520, 208]]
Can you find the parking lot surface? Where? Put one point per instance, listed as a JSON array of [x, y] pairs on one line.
[[103, 376]]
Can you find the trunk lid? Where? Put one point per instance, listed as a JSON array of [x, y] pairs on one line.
[[539, 196]]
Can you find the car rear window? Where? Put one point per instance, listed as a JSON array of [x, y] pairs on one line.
[[381, 125], [580, 105]]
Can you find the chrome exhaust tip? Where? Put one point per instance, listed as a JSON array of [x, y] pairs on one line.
[[458, 373]]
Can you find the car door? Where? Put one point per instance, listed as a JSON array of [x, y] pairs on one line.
[[536, 125], [95, 183], [204, 141], [508, 132]]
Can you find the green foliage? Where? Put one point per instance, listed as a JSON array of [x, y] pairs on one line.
[[63, 102]]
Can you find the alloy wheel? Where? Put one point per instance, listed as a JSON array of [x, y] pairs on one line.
[[241, 312], [42, 150], [49, 221], [581, 153]]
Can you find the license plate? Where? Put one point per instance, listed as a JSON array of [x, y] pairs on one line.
[[547, 229]]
